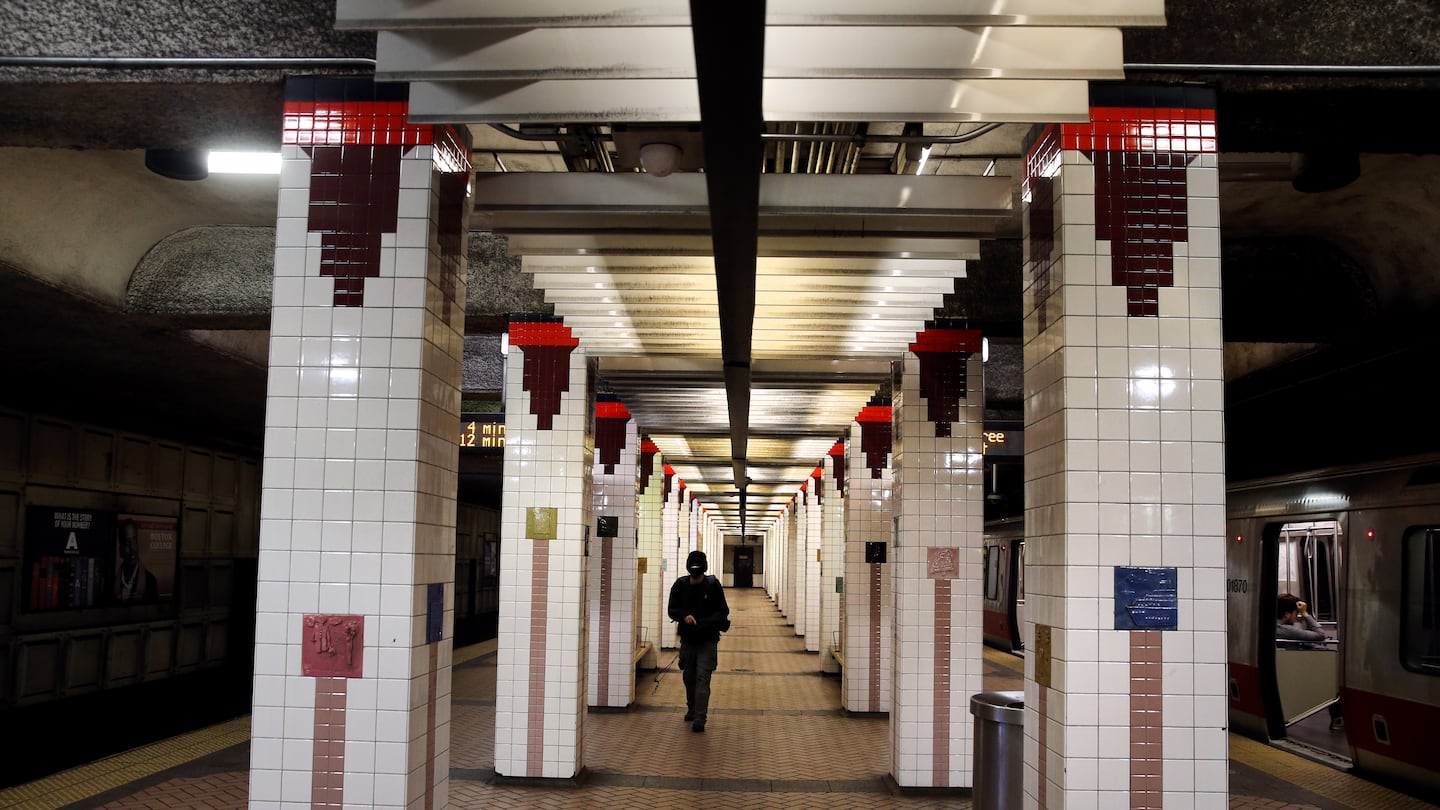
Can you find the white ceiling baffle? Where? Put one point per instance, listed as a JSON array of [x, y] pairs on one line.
[[850, 262]]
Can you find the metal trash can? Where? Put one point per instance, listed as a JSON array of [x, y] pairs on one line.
[[999, 750]]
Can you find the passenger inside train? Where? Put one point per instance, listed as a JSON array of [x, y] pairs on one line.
[[1293, 621]]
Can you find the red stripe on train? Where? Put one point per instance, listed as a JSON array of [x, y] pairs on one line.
[[997, 624], [1245, 690], [1409, 725]]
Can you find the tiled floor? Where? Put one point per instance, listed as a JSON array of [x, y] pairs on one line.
[[776, 739]]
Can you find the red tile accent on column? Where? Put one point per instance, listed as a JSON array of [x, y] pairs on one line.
[[327, 772], [354, 200], [539, 615], [610, 420], [876, 436], [355, 133], [547, 346], [940, 694], [607, 593], [430, 681], [943, 350], [451, 166], [1140, 155], [818, 475], [876, 575], [1042, 163], [666, 482], [648, 449], [837, 465], [1146, 720]]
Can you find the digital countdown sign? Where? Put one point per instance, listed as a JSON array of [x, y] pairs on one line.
[[482, 431], [1002, 442]]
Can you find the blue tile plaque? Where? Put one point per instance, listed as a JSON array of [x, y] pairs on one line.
[[1147, 599], [435, 613]]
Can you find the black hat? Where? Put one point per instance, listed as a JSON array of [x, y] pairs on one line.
[[696, 563]]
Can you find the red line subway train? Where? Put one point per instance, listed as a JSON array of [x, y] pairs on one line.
[[1361, 547]]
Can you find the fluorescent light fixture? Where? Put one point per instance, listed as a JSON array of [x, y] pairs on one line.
[[924, 156], [244, 162], [984, 350], [504, 343]]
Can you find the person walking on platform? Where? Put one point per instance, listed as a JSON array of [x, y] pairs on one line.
[[697, 603]]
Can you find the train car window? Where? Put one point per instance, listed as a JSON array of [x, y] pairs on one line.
[[1309, 566], [1420, 614], [992, 572]]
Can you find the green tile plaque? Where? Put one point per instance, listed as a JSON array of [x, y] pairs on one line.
[[540, 522]]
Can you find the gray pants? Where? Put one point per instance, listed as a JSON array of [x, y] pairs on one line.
[[697, 660]]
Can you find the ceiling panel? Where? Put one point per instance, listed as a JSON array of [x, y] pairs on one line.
[[849, 266]]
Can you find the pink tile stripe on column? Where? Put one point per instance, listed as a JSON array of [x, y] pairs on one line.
[[430, 684], [941, 680], [877, 574], [1147, 726], [327, 781], [535, 723], [607, 594]]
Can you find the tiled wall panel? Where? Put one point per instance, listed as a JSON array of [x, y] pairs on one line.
[[1124, 464], [935, 567], [866, 678], [358, 504], [546, 520], [654, 590], [613, 575], [814, 530], [832, 560]]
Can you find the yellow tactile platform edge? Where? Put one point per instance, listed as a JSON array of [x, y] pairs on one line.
[[473, 651], [92, 779], [78, 784], [1322, 780]]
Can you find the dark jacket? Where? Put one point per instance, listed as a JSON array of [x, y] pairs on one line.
[[706, 602]]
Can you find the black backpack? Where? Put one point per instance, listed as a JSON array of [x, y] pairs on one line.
[[712, 582]]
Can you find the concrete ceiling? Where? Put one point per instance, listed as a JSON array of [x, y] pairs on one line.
[[1326, 294]]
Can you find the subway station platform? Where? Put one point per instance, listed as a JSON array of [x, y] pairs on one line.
[[776, 739]]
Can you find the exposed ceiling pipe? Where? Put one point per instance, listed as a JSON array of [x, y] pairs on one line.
[[188, 62], [729, 67]]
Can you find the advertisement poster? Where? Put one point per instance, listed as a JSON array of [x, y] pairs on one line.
[[144, 558], [67, 557]]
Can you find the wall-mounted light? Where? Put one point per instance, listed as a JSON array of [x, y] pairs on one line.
[[984, 350], [244, 162], [659, 159], [177, 164], [504, 343], [924, 158]]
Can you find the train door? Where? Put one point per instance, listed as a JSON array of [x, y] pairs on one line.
[[1303, 561]]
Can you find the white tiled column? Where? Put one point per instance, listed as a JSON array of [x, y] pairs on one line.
[[654, 590], [801, 525], [865, 680], [671, 495], [814, 527], [782, 560], [542, 671], [1125, 583], [794, 516], [356, 561], [935, 567], [832, 557], [612, 558]]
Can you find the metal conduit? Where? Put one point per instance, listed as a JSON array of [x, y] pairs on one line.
[[262, 62]]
